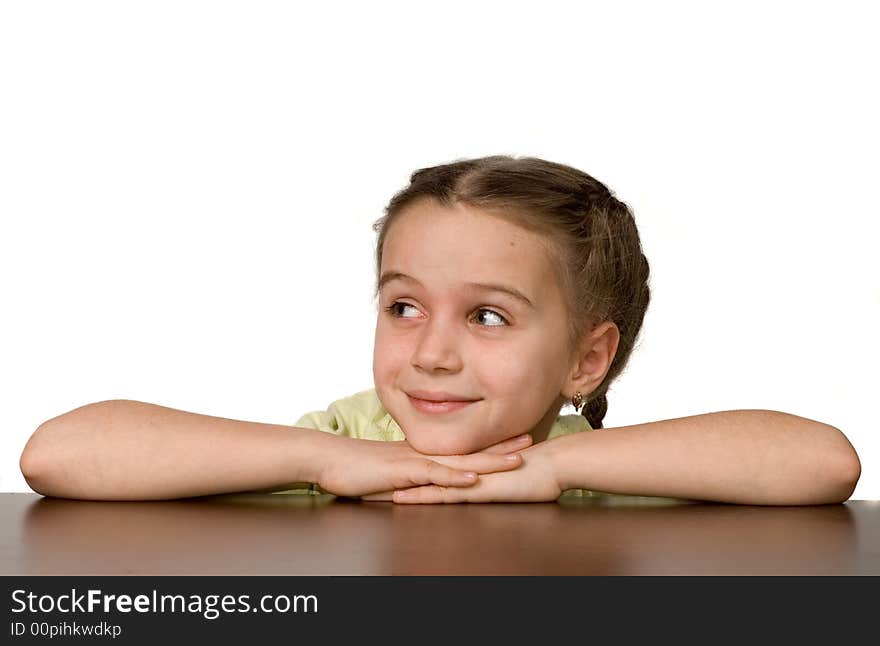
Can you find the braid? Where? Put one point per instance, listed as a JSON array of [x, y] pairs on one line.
[[595, 410]]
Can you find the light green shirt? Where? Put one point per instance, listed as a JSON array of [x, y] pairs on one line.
[[362, 416]]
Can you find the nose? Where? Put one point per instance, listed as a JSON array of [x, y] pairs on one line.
[[438, 347]]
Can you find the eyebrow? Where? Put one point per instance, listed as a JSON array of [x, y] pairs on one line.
[[388, 276]]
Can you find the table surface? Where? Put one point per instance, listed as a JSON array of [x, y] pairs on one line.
[[273, 534]]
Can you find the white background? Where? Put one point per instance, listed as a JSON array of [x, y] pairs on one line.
[[187, 192]]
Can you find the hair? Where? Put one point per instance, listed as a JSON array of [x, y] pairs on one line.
[[598, 253]]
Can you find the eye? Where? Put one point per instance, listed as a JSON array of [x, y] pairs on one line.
[[392, 310], [496, 314]]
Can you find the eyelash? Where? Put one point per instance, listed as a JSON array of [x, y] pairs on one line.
[[390, 310]]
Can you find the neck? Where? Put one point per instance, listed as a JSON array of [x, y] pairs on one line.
[[542, 429]]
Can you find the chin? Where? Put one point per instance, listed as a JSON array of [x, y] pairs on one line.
[[439, 445]]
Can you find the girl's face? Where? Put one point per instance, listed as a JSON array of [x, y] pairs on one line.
[[439, 331]]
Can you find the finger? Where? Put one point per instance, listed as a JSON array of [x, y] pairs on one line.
[[383, 496], [423, 472], [430, 494], [482, 462], [508, 446]]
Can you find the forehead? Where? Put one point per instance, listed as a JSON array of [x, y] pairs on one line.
[[446, 247]]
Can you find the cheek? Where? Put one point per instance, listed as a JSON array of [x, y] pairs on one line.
[[507, 368], [388, 357], [510, 371]]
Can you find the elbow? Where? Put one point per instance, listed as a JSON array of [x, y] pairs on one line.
[[847, 472], [42, 461], [851, 472], [57, 459], [34, 462]]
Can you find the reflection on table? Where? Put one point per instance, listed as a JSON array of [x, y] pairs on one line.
[[323, 535]]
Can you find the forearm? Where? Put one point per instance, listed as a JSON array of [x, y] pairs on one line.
[[754, 457], [128, 450]]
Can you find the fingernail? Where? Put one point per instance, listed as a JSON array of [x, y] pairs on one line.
[[470, 475], [514, 457]]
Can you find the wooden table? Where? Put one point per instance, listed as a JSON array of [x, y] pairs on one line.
[[321, 535]]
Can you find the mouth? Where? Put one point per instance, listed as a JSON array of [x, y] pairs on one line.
[[439, 407]]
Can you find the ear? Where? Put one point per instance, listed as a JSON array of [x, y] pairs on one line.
[[593, 359]]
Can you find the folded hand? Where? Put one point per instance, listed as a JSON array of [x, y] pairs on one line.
[[534, 481], [361, 467]]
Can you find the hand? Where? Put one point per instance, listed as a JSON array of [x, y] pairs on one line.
[[359, 467], [535, 481]]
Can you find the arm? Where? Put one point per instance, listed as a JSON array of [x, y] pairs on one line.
[[751, 457], [754, 457], [130, 450]]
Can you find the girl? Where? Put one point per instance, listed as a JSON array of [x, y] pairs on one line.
[[506, 288]]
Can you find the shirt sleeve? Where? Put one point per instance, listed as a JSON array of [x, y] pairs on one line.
[[328, 421], [352, 416]]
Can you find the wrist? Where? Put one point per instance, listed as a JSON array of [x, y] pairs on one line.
[[307, 454], [568, 455]]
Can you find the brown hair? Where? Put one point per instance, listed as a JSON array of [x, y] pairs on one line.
[[600, 263]]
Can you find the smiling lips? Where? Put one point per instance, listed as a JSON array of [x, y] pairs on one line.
[[438, 402], [438, 396]]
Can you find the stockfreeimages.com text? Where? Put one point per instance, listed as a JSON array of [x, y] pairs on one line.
[[209, 605]]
